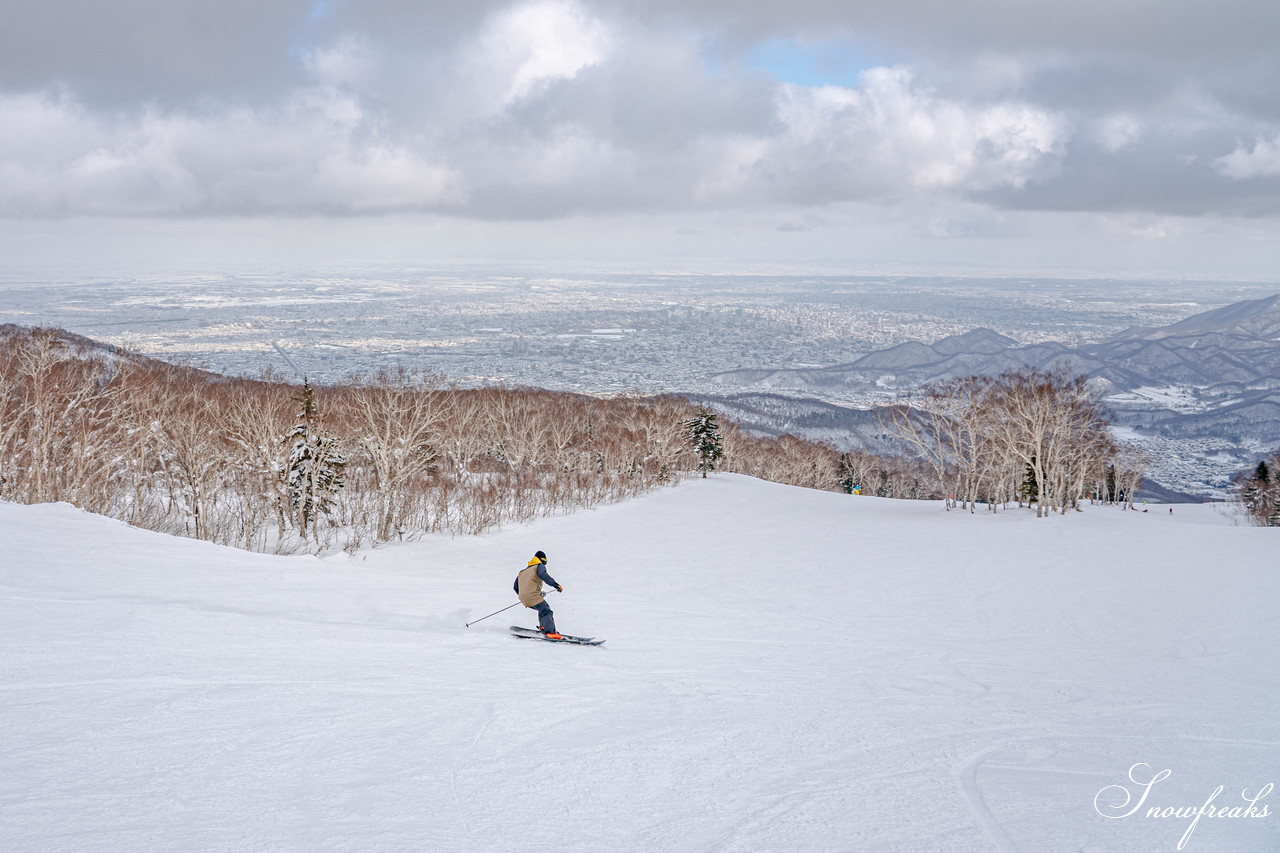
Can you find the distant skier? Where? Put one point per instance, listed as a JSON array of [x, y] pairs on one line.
[[528, 586]]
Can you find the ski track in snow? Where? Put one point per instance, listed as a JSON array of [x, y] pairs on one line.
[[785, 670]]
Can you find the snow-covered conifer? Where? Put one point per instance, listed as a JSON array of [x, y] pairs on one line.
[[702, 433], [847, 475], [316, 464]]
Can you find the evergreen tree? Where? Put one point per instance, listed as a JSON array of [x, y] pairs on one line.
[[1250, 494], [315, 473], [1260, 492], [702, 433], [846, 477], [1030, 486]]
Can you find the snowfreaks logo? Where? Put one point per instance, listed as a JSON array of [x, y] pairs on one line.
[[1122, 796]]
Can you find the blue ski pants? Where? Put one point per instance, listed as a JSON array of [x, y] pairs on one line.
[[546, 620]]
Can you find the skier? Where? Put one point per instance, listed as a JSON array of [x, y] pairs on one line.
[[528, 586]]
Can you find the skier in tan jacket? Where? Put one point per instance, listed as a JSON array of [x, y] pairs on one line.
[[528, 586]]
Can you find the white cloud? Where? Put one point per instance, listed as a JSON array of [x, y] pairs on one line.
[[891, 137], [323, 150], [548, 108], [1117, 131], [349, 61], [533, 44], [314, 153], [1260, 161]]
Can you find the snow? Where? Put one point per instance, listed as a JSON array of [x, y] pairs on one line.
[[785, 670], [1175, 398]]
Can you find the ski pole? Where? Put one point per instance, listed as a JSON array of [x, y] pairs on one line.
[[494, 613], [503, 610]]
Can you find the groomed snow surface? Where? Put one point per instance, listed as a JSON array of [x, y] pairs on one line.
[[786, 670]]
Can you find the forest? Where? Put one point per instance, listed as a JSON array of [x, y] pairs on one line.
[[1258, 492], [1024, 436], [274, 466]]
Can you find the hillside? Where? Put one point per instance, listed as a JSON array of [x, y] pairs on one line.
[[1252, 318], [785, 669], [1235, 344], [79, 346], [1204, 392], [1231, 346], [840, 426]]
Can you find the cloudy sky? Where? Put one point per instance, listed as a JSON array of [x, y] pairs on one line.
[[1117, 136]]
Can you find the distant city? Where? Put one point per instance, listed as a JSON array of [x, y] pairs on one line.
[[605, 333]]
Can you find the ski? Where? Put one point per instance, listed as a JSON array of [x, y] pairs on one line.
[[531, 634], [517, 629], [573, 641]]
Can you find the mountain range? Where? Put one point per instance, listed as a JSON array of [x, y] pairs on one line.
[[1213, 375]]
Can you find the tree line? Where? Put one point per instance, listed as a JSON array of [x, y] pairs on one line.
[[272, 466], [1258, 492], [1025, 436]]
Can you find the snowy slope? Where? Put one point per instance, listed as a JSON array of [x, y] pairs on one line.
[[785, 670]]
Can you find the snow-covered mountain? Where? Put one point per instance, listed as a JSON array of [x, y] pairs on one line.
[[1230, 355], [785, 669], [1258, 319], [843, 427]]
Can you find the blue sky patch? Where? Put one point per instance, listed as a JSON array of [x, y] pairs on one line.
[[824, 62]]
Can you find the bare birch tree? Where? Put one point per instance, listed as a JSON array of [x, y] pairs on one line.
[[395, 420]]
